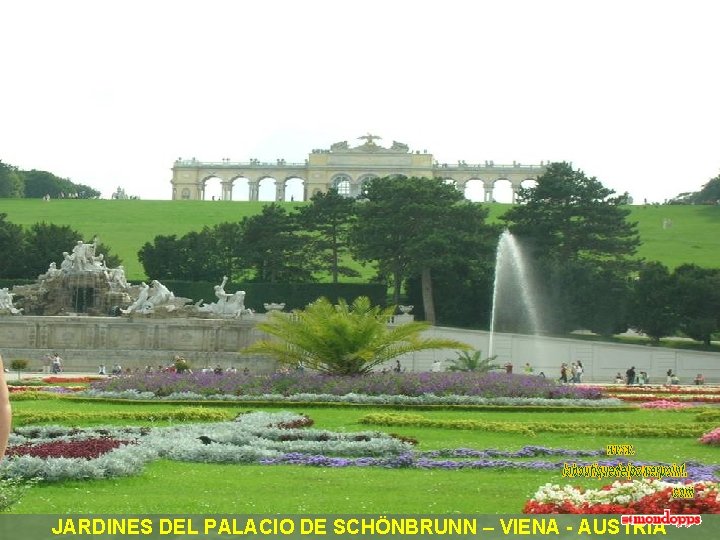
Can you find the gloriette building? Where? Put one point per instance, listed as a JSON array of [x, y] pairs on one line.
[[343, 167]]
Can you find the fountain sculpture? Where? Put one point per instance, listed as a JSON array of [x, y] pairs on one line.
[[91, 314]]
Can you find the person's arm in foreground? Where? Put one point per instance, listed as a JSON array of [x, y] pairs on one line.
[[5, 413]]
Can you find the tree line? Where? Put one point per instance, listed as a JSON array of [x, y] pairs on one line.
[[16, 183], [708, 194]]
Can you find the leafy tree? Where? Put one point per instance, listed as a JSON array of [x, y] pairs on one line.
[[160, 259], [342, 339], [328, 218], [11, 182], [697, 296], [580, 241], [45, 244], [418, 226], [227, 247], [198, 258], [41, 183], [12, 247], [653, 310], [472, 361], [709, 194], [273, 248]]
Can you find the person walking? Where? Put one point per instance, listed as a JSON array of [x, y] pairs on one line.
[[5, 411]]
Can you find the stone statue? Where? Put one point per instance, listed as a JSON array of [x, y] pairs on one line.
[[140, 305], [117, 277], [154, 296], [159, 294], [67, 264], [52, 272], [228, 305], [370, 139], [6, 303], [400, 147], [343, 145]]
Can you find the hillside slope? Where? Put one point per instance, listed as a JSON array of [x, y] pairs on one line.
[[691, 233]]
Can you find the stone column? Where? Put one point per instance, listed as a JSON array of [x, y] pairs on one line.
[[253, 188], [226, 190], [279, 190], [488, 188]]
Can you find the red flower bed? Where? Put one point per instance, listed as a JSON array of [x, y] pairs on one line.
[[12, 388], [690, 398], [658, 389], [55, 380], [655, 503], [85, 449]]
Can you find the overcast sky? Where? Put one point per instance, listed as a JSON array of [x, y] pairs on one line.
[[110, 93]]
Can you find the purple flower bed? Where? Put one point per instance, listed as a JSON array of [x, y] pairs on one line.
[[408, 384], [695, 471]]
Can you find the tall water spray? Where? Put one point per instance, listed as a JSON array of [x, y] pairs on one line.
[[515, 303]]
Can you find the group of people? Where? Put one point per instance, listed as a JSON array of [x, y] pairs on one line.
[[572, 373], [55, 362], [632, 376]]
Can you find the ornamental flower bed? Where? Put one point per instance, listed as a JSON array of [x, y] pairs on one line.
[[661, 389], [664, 404], [84, 449], [55, 380], [711, 438], [364, 399], [16, 389], [487, 385], [684, 398], [635, 497], [259, 438]]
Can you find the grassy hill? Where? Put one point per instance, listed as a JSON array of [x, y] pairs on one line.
[[125, 225]]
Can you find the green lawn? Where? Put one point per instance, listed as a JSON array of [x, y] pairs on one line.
[[172, 487], [126, 225]]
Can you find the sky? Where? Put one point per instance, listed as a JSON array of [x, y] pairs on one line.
[[110, 93]]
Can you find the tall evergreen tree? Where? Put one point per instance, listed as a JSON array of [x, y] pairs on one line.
[[418, 226], [579, 234], [328, 219], [273, 248]]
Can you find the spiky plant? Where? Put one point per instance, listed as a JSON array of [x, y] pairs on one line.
[[472, 361], [342, 339]]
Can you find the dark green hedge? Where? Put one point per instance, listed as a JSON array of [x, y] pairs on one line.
[[294, 295]]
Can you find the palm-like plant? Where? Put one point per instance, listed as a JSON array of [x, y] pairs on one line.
[[472, 361], [342, 339]]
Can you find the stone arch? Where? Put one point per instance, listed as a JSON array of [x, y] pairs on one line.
[[474, 190], [343, 184], [529, 183], [267, 189], [362, 182], [211, 188], [503, 191], [294, 188], [240, 188]]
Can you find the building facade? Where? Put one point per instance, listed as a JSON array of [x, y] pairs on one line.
[[342, 167]]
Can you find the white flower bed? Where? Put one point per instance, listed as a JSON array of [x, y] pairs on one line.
[[249, 439]]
